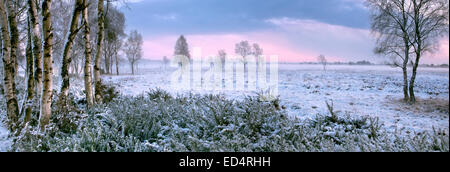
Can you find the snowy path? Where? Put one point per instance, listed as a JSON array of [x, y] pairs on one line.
[[355, 90]]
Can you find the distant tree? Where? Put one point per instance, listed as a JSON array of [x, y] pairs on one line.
[[243, 49], [133, 48], [77, 54], [322, 60], [165, 61], [257, 50], [117, 46], [114, 34], [182, 47], [222, 56], [364, 62]]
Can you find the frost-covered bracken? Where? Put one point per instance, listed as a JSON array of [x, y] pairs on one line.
[[46, 106], [157, 121]]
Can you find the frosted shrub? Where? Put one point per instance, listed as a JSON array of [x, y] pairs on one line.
[[109, 92], [158, 121]]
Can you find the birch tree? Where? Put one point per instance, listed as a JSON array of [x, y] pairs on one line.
[[30, 79], [46, 99], [392, 28], [88, 56], [66, 59], [430, 20], [407, 29], [98, 55], [13, 31], [37, 45], [8, 69]]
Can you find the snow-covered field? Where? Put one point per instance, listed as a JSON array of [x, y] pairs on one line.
[[5, 142], [355, 90]]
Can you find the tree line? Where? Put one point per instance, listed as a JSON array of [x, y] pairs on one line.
[[59, 37], [243, 49]]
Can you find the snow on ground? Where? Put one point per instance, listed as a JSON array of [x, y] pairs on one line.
[[355, 90], [5, 142], [368, 91]]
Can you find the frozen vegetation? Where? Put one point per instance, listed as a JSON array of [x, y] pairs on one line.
[[59, 92], [364, 113], [356, 90], [156, 121]]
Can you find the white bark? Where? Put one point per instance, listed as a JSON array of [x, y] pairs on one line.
[[46, 99]]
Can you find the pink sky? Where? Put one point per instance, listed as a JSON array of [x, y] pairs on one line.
[[211, 44], [293, 41]]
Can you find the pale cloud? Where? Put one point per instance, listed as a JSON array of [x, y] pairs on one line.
[[122, 3], [441, 55], [337, 41], [351, 4], [134, 1], [166, 17], [343, 42], [319, 28], [293, 40]]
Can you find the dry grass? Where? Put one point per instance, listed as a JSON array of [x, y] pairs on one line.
[[435, 106]]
